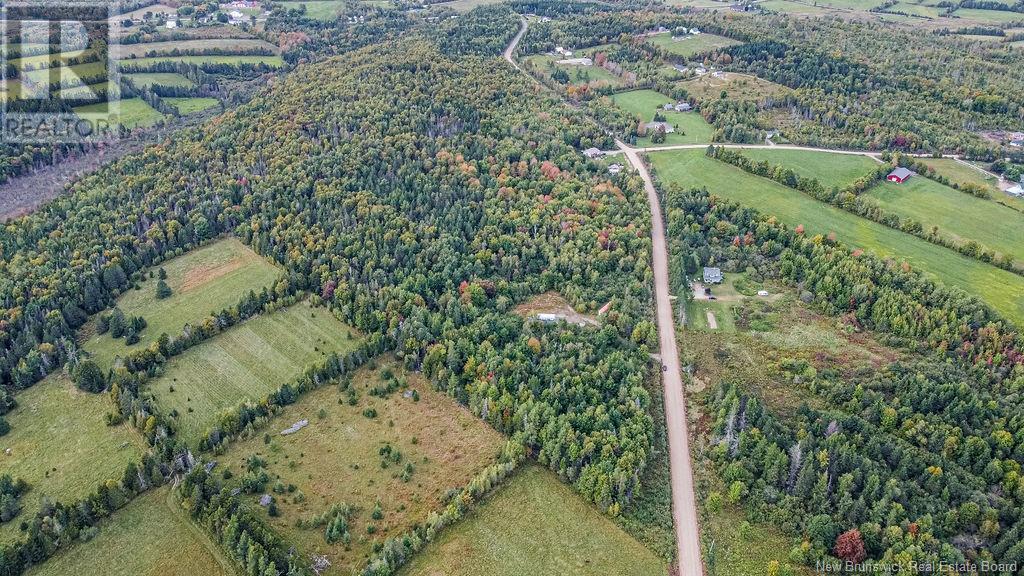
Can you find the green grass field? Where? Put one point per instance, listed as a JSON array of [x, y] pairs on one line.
[[337, 459], [40, 61], [318, 9], [90, 92], [959, 173], [535, 525], [736, 87], [203, 281], [132, 51], [246, 362], [989, 16], [130, 112], [916, 9], [828, 168], [70, 75], [959, 216], [795, 8], [60, 444], [151, 536], [691, 128], [191, 105], [147, 79], [143, 63], [577, 74], [690, 45], [693, 169]]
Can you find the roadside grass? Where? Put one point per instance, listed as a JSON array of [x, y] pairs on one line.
[[535, 524], [690, 45], [958, 215], [205, 280], [691, 128], [143, 63], [744, 548], [191, 105], [148, 79], [61, 445], [827, 167], [130, 112], [151, 536], [246, 362], [693, 169], [338, 459]]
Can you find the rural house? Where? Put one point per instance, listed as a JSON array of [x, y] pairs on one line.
[[615, 169], [712, 275], [683, 107], [1017, 190], [899, 175], [593, 153], [663, 126]]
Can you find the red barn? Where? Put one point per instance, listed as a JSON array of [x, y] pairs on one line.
[[899, 175]]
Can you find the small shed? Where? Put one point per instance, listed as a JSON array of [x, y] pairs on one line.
[[547, 318], [265, 500], [899, 175], [712, 275], [1017, 190]]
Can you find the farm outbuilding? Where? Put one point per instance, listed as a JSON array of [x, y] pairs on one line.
[[899, 175]]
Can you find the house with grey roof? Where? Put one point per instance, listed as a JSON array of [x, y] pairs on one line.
[[712, 275]]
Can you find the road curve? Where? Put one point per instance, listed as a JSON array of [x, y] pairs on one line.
[[510, 50], [684, 501]]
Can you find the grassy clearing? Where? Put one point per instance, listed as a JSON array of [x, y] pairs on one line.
[[205, 280], [130, 51], [318, 9], [130, 112], [151, 536], [61, 445], [148, 79], [916, 10], [143, 63], [828, 168], [959, 173], [67, 75], [746, 549], [90, 92], [989, 16], [535, 525], [795, 8], [43, 60], [191, 105], [246, 363], [577, 74], [959, 216], [337, 459], [689, 45], [736, 86], [691, 128], [693, 169]]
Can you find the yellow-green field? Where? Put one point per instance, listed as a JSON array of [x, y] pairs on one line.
[[691, 128], [191, 105], [61, 445], [151, 536], [246, 362], [535, 524], [690, 45], [828, 168], [205, 280], [338, 459], [130, 113]]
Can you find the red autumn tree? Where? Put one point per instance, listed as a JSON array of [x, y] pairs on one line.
[[850, 546]]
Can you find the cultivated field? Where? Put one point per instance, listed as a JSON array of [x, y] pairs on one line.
[[689, 45], [246, 362], [148, 79], [691, 128], [130, 112], [151, 536], [143, 63], [60, 444], [191, 105], [830, 169], [535, 525], [958, 215], [205, 280], [343, 456], [693, 169], [129, 51]]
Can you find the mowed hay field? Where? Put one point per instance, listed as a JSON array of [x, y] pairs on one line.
[[143, 63], [535, 524], [191, 105], [691, 128], [61, 445], [829, 168], [689, 45], [225, 44], [959, 216], [247, 362], [337, 459], [317, 9], [147, 79], [151, 536], [693, 169], [129, 112], [205, 280]]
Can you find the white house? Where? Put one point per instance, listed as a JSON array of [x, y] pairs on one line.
[[694, 31], [171, 24], [663, 126], [593, 153], [615, 169], [548, 318], [683, 107], [1017, 190]]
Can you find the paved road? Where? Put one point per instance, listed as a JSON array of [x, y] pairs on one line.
[[684, 501], [515, 42]]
